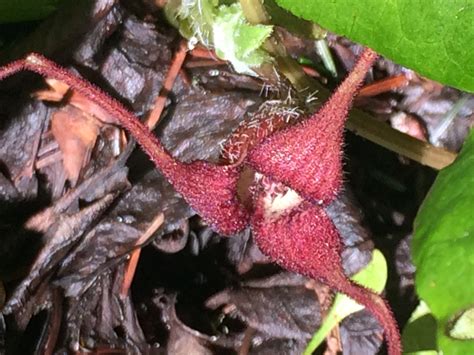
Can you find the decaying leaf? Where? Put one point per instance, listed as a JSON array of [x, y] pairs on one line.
[[76, 134]]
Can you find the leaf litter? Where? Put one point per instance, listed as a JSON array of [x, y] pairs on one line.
[[86, 227]]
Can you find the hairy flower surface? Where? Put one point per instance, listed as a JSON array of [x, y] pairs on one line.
[[308, 156], [300, 169]]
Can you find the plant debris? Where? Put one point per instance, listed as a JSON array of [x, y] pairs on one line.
[[77, 200]]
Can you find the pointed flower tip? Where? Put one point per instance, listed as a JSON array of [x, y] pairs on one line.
[[308, 156], [304, 240]]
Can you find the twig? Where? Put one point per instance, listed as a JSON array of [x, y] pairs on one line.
[[255, 13], [173, 72], [135, 255], [204, 63], [247, 341], [204, 53], [382, 134], [384, 85]]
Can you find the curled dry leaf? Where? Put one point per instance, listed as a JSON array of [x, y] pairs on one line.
[[360, 334], [76, 134], [58, 91], [60, 238]]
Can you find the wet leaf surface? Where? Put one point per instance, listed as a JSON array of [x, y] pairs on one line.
[[360, 334], [278, 312]]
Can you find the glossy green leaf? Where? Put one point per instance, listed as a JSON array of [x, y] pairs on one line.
[[26, 10], [435, 37], [443, 247]]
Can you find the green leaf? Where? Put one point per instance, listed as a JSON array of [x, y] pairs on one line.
[[463, 326], [238, 41], [419, 334], [443, 247], [223, 28], [452, 346], [194, 18], [26, 10], [432, 37], [373, 276]]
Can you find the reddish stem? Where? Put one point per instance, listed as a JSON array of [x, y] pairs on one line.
[[43, 66], [375, 304]]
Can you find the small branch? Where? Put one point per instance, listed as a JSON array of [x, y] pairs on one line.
[[384, 85], [365, 125], [255, 12], [205, 53], [382, 134], [168, 83], [203, 63], [135, 255]]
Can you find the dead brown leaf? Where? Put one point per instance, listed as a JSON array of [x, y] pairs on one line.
[[76, 134]]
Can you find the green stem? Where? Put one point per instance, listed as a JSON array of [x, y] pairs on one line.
[[323, 50], [255, 12], [448, 119], [330, 321]]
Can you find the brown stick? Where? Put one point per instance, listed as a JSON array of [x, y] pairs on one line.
[[168, 83], [132, 263], [384, 85], [200, 52], [202, 63]]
